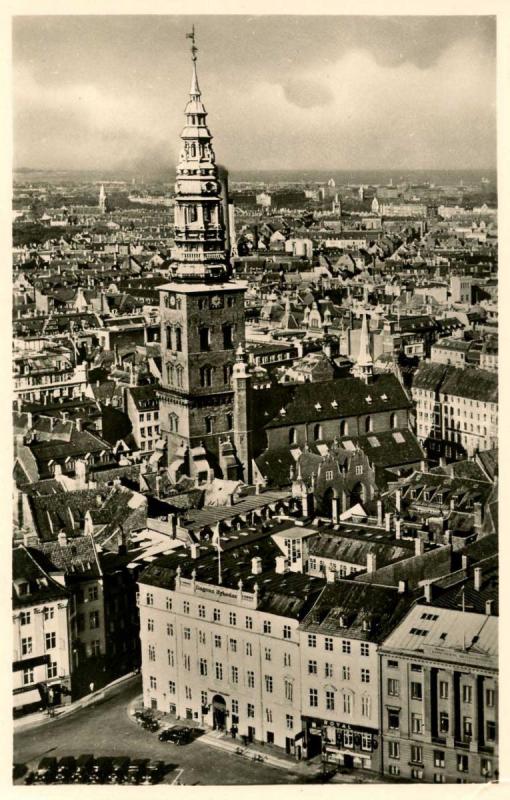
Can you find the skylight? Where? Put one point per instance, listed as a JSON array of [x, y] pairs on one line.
[[398, 437]]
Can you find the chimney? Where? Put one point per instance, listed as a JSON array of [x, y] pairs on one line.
[[398, 499], [387, 521], [477, 509], [402, 587], [280, 568], [256, 565], [62, 538], [99, 501], [477, 574], [419, 546], [78, 424], [398, 526], [306, 502], [30, 540], [173, 524], [194, 550], [428, 592], [464, 562], [57, 471], [158, 485], [489, 607], [379, 512], [371, 562], [81, 473]]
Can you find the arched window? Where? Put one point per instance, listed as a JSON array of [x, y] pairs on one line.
[[368, 424], [193, 150], [208, 424], [292, 436], [344, 428], [230, 421], [173, 423], [168, 330], [394, 421], [205, 376], [178, 339], [317, 431], [227, 373], [205, 338], [178, 374], [170, 373]]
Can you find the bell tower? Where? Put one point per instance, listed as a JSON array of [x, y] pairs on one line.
[[202, 314]]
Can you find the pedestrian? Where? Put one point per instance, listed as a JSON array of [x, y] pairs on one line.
[[91, 686]]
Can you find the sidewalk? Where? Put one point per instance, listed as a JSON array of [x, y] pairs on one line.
[[42, 718]]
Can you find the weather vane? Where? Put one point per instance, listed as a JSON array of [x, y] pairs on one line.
[[194, 48]]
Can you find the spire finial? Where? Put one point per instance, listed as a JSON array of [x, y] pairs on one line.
[[194, 48]]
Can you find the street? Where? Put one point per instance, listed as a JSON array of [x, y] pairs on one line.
[[105, 730]]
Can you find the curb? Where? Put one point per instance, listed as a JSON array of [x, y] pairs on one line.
[[102, 694]]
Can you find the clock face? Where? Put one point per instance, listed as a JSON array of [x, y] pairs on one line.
[[216, 301], [172, 300]]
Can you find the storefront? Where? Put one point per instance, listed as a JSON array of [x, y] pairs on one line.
[[349, 746]]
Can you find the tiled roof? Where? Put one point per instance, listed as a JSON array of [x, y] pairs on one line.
[[78, 558], [27, 567], [354, 550], [472, 383]]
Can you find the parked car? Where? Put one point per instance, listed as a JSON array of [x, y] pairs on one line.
[[83, 769], [101, 770], [119, 769], [136, 770], [178, 734], [46, 771], [154, 772], [65, 769], [150, 725]]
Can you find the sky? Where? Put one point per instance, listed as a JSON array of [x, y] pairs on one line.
[[282, 92]]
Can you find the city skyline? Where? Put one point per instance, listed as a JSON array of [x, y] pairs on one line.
[[389, 92]]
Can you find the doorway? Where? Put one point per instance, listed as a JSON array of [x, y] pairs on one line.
[[219, 712]]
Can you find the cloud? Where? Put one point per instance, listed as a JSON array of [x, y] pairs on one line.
[[306, 93]]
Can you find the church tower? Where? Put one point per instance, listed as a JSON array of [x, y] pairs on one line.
[[102, 200], [364, 366], [202, 315]]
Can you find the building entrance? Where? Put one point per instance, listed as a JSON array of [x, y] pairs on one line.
[[219, 712]]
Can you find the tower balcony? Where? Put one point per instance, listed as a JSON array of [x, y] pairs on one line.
[[201, 256]]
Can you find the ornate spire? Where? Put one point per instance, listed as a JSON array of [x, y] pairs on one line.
[[199, 225], [364, 365]]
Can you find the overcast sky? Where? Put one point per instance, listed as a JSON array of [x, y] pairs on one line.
[[281, 92]]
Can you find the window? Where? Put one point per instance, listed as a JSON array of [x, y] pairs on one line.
[[269, 683], [203, 666], [51, 670], [28, 676], [286, 660], [490, 698], [444, 722], [393, 769], [201, 611], [393, 719], [491, 731], [365, 676], [416, 723], [417, 774], [313, 698], [439, 777], [312, 667], [467, 727], [289, 690], [152, 652], [443, 690], [368, 424], [328, 643], [204, 335], [185, 607], [292, 436], [187, 662], [393, 687], [364, 649], [232, 618], [203, 698], [365, 706], [347, 703], [329, 475], [269, 715], [187, 634], [328, 670], [462, 763], [202, 637], [359, 469], [187, 691], [51, 639], [287, 631], [417, 754], [250, 711], [312, 640], [218, 668], [205, 376], [217, 640], [249, 650], [346, 673], [330, 700], [392, 664], [267, 626], [178, 338], [289, 722], [235, 706], [228, 341], [346, 646], [168, 603], [317, 432], [249, 623], [233, 645], [366, 741], [250, 678], [467, 694], [439, 758], [394, 750], [486, 767], [152, 682], [208, 424], [235, 675], [26, 646], [416, 690], [169, 629], [93, 594]]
